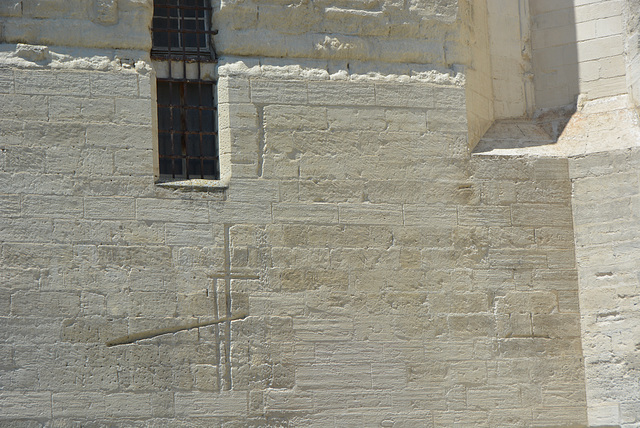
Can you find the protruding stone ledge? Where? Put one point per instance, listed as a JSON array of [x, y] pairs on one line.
[[600, 125]]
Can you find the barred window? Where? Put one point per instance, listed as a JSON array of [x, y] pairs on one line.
[[187, 112]]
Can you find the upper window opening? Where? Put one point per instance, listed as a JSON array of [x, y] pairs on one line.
[[181, 29]]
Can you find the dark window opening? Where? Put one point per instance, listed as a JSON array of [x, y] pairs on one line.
[[181, 29], [187, 113], [187, 143]]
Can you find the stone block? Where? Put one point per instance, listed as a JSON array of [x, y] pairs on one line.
[[11, 8], [370, 214], [123, 84], [514, 325], [544, 191], [323, 330], [24, 159], [240, 212], [556, 325], [283, 400], [24, 107], [106, 12], [513, 237], [554, 237], [537, 302], [47, 304], [307, 213], [133, 111], [124, 136], [496, 397], [295, 117], [199, 258], [189, 234], [453, 121], [596, 212], [202, 404], [52, 206], [9, 206], [53, 9], [343, 118], [450, 98], [550, 416], [604, 414], [335, 93], [134, 256], [406, 120], [484, 215], [70, 405], [20, 405], [474, 325], [538, 215], [404, 95], [610, 187], [358, 401], [76, 108], [233, 90], [133, 162], [6, 79], [253, 191], [172, 209], [49, 82], [109, 208], [278, 92], [315, 190], [497, 168], [127, 405], [327, 376]]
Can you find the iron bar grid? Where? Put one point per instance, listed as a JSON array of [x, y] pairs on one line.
[[181, 29], [187, 138]]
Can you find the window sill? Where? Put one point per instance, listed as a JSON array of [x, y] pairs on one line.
[[194, 185]]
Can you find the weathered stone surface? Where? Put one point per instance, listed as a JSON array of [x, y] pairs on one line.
[[378, 272]]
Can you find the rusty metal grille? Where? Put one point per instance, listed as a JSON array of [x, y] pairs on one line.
[[187, 142], [187, 113], [181, 30]]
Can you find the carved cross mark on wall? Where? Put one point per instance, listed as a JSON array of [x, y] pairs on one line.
[[225, 278], [221, 284]]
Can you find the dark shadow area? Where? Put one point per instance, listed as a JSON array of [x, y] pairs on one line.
[[550, 77]]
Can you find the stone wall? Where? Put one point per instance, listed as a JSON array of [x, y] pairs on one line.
[[389, 31], [632, 48], [378, 273], [605, 205], [387, 277], [77, 23], [578, 48]]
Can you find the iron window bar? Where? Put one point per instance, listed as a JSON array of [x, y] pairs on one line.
[[187, 114]]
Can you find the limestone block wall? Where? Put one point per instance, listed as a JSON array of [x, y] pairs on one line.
[[478, 75], [632, 51], [380, 274], [418, 31], [77, 23], [510, 53], [605, 205], [387, 277], [578, 48]]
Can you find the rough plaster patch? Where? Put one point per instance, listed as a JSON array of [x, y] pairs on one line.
[[339, 70], [37, 56]]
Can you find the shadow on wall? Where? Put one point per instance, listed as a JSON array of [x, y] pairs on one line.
[[546, 60]]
